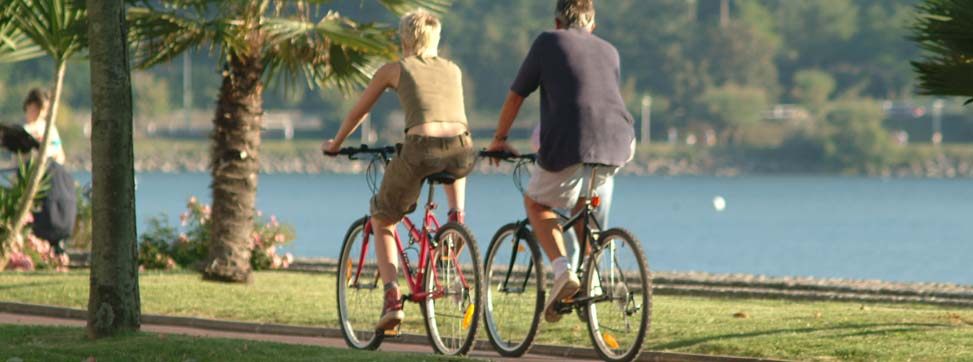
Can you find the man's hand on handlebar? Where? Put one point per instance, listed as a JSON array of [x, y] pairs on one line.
[[499, 146]]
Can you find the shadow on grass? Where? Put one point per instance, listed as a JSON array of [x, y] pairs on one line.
[[904, 327], [27, 285]]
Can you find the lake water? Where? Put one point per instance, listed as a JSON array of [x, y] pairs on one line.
[[868, 228]]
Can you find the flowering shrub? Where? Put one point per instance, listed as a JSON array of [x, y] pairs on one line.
[[168, 247], [35, 254], [26, 251]]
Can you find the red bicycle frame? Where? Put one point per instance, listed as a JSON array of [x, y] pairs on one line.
[[416, 282]]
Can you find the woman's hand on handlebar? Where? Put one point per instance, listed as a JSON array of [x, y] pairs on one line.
[[331, 148], [499, 146]]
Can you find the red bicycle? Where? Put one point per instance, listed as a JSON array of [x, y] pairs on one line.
[[445, 282]]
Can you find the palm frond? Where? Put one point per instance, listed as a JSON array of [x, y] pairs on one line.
[[944, 30], [14, 45], [334, 52], [403, 6], [160, 36], [58, 27]]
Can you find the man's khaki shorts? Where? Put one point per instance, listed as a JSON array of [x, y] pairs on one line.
[[420, 157], [561, 189]]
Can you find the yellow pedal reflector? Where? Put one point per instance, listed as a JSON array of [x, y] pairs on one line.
[[520, 247], [444, 256], [348, 277], [610, 341], [391, 332], [468, 317]]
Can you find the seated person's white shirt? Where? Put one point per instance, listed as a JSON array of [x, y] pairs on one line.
[[55, 150]]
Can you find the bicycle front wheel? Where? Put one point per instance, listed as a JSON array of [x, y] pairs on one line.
[[360, 290], [452, 279], [514, 275], [618, 282]]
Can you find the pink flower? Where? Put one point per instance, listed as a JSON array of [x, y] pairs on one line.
[[279, 238], [64, 260], [192, 201], [271, 251], [289, 258], [183, 239], [260, 213], [206, 210], [273, 220], [29, 219], [20, 261], [276, 262], [183, 217]]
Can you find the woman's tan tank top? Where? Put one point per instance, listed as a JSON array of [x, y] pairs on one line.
[[431, 90]]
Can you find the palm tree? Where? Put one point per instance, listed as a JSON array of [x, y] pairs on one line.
[[944, 29], [257, 40], [55, 28]]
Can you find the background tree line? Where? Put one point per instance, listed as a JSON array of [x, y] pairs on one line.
[[682, 52]]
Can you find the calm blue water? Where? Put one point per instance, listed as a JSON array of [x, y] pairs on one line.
[[898, 229]]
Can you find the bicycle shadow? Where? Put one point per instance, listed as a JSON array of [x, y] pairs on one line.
[[903, 327]]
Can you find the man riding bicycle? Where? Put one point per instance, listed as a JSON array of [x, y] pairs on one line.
[[584, 123]]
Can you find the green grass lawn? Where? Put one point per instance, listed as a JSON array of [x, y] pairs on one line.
[[51, 344], [825, 331]]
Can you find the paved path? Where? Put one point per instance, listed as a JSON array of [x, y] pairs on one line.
[[6, 318]]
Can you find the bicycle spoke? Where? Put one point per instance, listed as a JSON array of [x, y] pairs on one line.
[[514, 290], [619, 320]]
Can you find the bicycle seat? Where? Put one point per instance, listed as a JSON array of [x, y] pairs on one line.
[[442, 178]]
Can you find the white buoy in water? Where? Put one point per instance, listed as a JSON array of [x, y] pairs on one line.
[[719, 203]]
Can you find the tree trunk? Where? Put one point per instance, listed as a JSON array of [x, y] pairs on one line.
[[235, 165], [113, 300]]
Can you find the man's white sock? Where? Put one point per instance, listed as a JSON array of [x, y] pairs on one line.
[[560, 266]]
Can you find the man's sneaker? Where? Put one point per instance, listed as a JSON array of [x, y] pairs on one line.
[[392, 313], [565, 286], [457, 216]]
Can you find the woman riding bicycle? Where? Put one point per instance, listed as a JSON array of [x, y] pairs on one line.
[[437, 140]]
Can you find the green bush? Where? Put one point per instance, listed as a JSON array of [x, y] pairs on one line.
[[854, 139], [734, 109]]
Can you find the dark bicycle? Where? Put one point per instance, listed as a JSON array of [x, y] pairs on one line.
[[615, 299]]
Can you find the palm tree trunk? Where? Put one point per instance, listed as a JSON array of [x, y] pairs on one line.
[[38, 164], [235, 165], [113, 298]]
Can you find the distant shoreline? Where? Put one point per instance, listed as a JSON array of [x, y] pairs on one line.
[[655, 167]]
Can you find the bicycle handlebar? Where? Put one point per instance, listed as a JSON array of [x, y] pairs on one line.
[[508, 156], [353, 151]]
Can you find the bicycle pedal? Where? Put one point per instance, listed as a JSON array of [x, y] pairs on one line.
[[394, 332]]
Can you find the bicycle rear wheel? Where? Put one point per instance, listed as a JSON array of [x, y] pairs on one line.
[[618, 282], [514, 278], [452, 277], [360, 289]]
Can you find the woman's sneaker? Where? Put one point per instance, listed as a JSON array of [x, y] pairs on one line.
[[565, 286], [457, 216], [392, 313]]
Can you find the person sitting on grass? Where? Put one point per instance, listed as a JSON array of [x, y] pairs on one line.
[[36, 107], [437, 140], [583, 122]]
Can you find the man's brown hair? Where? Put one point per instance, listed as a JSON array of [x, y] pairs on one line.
[[575, 13]]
